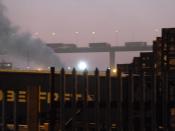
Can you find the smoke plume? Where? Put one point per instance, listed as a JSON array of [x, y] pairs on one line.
[[21, 48]]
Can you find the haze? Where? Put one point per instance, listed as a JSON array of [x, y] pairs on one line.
[[134, 20]]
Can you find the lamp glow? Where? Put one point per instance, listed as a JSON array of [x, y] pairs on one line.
[[82, 65], [114, 70], [39, 69]]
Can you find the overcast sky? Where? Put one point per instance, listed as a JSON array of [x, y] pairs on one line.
[[135, 20]]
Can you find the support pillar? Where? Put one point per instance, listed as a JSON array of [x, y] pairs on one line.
[[112, 59]]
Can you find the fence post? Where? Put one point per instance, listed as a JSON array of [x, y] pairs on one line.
[[74, 75], [165, 101], [15, 111], [85, 95], [32, 108], [3, 111], [52, 110], [131, 101], [61, 94], [154, 101], [97, 100], [108, 108], [120, 101], [142, 113]]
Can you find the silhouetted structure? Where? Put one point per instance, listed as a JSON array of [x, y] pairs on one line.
[[100, 47], [140, 97]]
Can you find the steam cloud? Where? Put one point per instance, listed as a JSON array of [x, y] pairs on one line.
[[22, 48]]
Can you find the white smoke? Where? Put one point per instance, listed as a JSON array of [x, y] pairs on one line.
[[21, 48]]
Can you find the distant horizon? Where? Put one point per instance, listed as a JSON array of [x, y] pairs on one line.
[[86, 21]]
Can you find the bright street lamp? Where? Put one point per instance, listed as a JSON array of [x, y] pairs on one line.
[[93, 33], [76, 36], [82, 66], [116, 36], [53, 34], [76, 32], [93, 36]]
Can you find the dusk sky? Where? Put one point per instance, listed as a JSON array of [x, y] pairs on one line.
[[134, 20]]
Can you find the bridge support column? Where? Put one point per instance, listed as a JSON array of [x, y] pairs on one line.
[[112, 59]]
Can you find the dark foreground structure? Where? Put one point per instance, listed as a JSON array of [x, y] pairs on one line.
[[141, 97]]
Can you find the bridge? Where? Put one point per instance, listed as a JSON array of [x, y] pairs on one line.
[[72, 48]]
